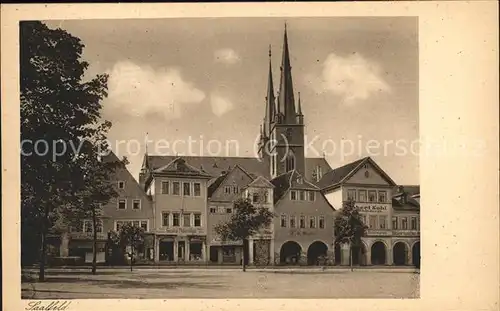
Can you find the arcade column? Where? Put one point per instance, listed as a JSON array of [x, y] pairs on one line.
[[204, 251], [250, 251], [344, 255], [389, 257], [271, 253], [156, 251]]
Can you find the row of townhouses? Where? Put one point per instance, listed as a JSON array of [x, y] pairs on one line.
[[179, 200]]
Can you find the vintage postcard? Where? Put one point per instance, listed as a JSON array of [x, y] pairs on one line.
[[212, 153]]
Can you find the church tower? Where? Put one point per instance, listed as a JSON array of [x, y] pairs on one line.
[[283, 129]]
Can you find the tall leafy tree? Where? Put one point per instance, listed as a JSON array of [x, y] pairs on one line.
[[349, 227], [59, 112], [245, 221], [129, 237]]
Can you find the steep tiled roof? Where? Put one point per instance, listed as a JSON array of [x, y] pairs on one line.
[[410, 189], [216, 166], [289, 180], [215, 184], [179, 166], [261, 182], [398, 203], [337, 175]]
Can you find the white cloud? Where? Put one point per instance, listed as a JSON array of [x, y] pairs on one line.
[[140, 90], [220, 105], [353, 77], [227, 56]]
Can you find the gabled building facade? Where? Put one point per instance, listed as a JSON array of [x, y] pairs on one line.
[[389, 239], [303, 227], [179, 198], [182, 199], [132, 205]]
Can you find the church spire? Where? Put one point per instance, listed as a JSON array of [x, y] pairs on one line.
[[270, 109], [286, 101]]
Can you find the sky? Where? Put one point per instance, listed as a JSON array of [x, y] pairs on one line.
[[197, 86]]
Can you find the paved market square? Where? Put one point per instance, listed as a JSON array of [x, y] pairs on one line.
[[223, 283]]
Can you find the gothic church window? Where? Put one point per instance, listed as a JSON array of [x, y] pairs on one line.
[[290, 161]]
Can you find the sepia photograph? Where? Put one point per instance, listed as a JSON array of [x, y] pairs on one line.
[[250, 156], [220, 158]]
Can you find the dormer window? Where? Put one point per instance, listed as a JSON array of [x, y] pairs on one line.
[[121, 185]]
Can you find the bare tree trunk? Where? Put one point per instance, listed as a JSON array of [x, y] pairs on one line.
[[243, 257], [131, 258], [43, 254], [43, 257], [94, 245], [350, 256]]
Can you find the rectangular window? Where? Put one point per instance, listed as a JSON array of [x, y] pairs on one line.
[[186, 189], [197, 220], [136, 204], [283, 221], [382, 222], [121, 185], [322, 222], [165, 219], [351, 194], [136, 223], [362, 195], [413, 223], [176, 188], [292, 222], [99, 225], [229, 210], [186, 220], [87, 226], [372, 196], [197, 189], [175, 219], [213, 210], [165, 187], [312, 195], [118, 225], [255, 198], [302, 221], [235, 189], [122, 204], [312, 222], [382, 196], [227, 189], [302, 195], [293, 195], [404, 223], [394, 223], [144, 225], [373, 222]]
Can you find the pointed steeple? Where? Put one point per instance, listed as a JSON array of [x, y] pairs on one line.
[[300, 116], [286, 101], [270, 109], [299, 109]]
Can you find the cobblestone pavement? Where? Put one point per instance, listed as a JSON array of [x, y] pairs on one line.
[[212, 283]]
